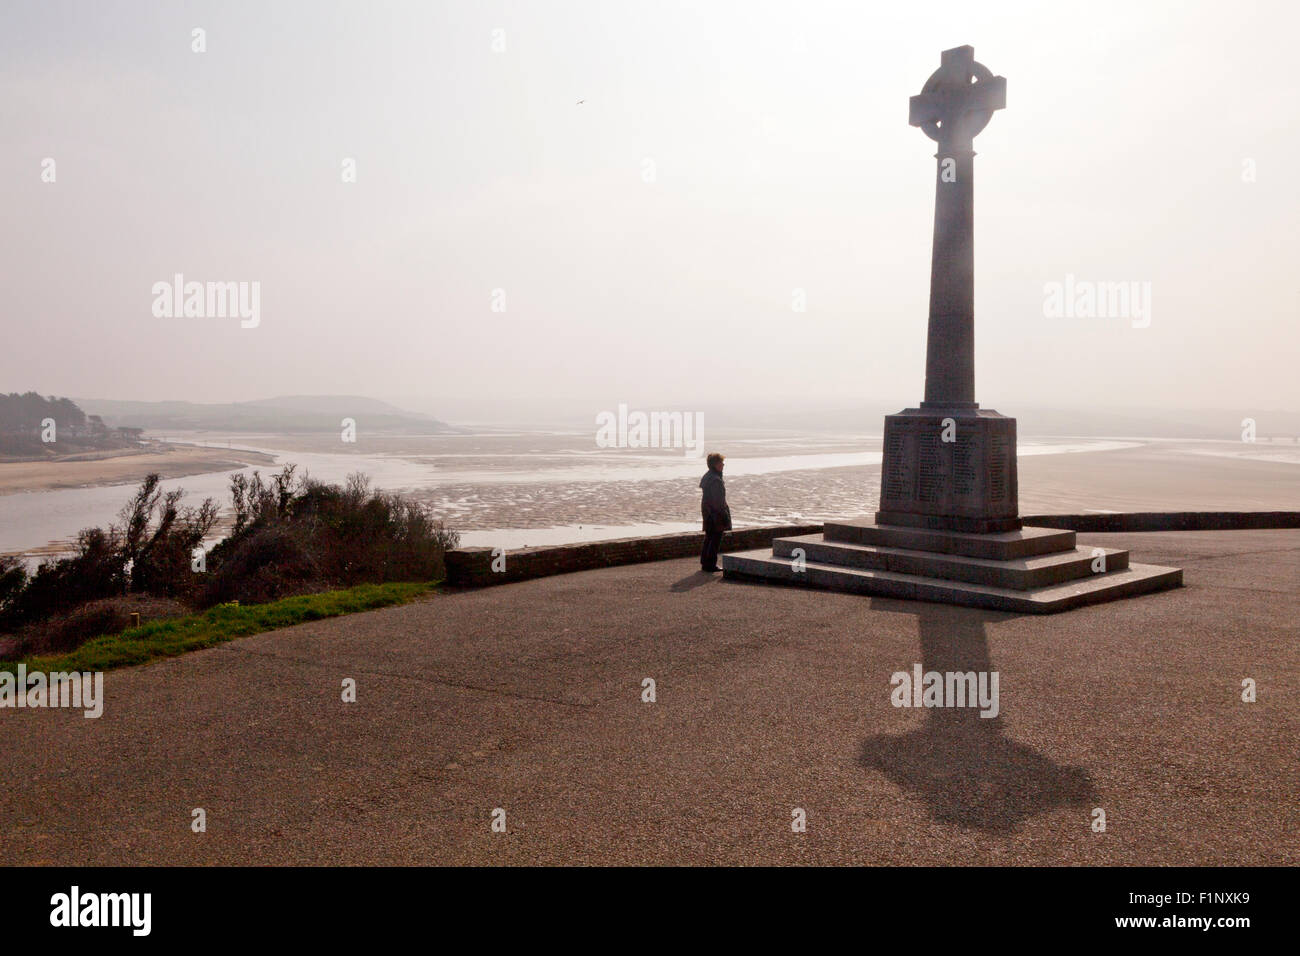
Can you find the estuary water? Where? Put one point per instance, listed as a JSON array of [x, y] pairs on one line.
[[517, 487]]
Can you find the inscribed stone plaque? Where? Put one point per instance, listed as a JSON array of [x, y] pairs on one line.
[[965, 484]]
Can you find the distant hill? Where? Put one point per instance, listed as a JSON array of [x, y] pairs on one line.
[[289, 413]]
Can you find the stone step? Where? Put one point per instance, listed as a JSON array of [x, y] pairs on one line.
[[1133, 580], [1019, 574], [1002, 546]]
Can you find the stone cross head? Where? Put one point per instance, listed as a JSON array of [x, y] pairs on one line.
[[958, 99]]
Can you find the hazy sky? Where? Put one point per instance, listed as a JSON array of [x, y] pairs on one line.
[[780, 158]]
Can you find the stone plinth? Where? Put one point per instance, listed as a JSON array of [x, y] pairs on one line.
[[1029, 571], [949, 469]]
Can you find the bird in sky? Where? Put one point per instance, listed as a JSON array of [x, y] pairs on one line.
[[580, 102]]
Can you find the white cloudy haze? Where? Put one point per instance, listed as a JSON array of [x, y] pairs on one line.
[[782, 160]]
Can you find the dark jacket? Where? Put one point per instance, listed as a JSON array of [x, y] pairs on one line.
[[714, 504]]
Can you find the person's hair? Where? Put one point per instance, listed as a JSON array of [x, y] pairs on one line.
[[714, 460]]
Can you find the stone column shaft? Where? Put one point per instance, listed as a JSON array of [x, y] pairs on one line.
[[950, 343]]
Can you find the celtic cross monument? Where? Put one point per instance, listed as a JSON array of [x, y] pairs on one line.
[[949, 464], [949, 528]]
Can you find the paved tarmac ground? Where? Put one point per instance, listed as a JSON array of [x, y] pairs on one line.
[[528, 697]]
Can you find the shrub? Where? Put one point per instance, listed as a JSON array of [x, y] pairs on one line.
[[97, 570], [67, 630], [265, 564], [291, 535], [159, 539], [13, 578], [294, 534]]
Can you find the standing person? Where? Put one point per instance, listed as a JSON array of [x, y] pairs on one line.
[[717, 516]]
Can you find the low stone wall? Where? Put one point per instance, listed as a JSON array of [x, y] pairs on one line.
[[1169, 521], [472, 567]]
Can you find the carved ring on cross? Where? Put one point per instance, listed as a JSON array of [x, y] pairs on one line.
[[970, 122]]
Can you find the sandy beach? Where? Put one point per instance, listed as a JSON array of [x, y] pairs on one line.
[[171, 461]]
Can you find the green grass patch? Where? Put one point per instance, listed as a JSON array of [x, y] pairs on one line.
[[225, 622]]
